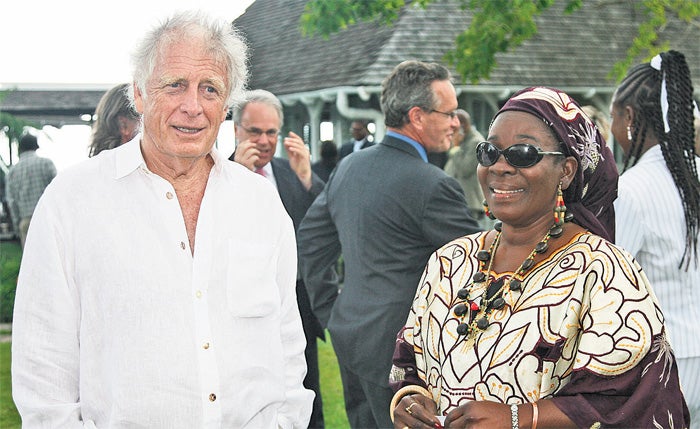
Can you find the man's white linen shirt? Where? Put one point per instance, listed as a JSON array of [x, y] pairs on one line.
[[650, 224], [117, 324]]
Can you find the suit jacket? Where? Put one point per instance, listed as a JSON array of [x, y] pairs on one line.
[[347, 148], [297, 200], [387, 210]]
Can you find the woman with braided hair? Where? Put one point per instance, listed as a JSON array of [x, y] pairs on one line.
[[658, 205]]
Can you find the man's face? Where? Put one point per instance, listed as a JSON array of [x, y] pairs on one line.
[[260, 124], [184, 104], [439, 129], [358, 131]]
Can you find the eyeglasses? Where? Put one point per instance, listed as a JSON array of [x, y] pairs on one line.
[[452, 115], [257, 132], [519, 155]]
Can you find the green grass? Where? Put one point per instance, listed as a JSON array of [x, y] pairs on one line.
[[9, 418]]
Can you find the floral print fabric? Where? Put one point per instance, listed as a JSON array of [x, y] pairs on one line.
[[585, 324]]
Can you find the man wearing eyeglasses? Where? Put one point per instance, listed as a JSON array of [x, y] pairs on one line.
[[386, 209], [257, 123]]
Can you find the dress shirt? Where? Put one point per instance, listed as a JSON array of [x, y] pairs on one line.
[[417, 146], [650, 224], [119, 325], [25, 182]]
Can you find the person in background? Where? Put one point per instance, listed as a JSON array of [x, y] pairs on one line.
[[600, 119], [117, 122], [25, 183], [328, 161], [541, 322], [179, 312], [257, 123], [461, 164], [386, 209], [360, 139], [658, 207]]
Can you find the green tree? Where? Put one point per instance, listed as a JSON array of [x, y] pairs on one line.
[[12, 126], [498, 26]]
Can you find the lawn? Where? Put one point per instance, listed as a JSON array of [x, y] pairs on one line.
[[331, 387]]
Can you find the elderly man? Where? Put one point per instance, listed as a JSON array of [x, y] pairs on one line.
[[257, 122], [157, 286], [387, 209]]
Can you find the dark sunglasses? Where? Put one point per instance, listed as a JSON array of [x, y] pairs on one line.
[[519, 155]]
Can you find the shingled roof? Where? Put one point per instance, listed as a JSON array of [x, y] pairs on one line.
[[570, 51]]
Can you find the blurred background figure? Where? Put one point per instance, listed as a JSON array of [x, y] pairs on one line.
[[600, 119], [658, 205], [25, 183], [461, 164], [329, 158], [360, 139], [116, 122]]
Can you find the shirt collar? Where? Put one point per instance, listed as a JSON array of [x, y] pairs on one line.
[[421, 150], [129, 158]]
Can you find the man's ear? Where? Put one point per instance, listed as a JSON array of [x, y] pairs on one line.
[[138, 99]]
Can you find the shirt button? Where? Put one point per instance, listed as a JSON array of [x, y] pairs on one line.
[[169, 195], [182, 245], [212, 397], [205, 346]]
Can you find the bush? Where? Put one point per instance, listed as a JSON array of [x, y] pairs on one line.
[[10, 256]]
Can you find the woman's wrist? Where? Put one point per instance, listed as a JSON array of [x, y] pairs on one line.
[[405, 391]]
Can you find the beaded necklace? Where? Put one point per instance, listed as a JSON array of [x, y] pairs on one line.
[[492, 297]]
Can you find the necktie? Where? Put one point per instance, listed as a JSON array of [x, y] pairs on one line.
[[260, 171]]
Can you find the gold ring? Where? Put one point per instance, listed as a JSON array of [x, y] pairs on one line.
[[408, 409]]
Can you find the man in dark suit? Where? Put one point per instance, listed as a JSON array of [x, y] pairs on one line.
[[386, 209], [360, 139], [257, 122]]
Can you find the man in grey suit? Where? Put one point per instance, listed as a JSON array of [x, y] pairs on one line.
[[257, 122], [387, 209]]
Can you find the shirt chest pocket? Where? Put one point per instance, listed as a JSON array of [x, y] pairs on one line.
[[251, 289]]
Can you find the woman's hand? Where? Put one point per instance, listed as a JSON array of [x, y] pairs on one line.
[[479, 414], [416, 412]]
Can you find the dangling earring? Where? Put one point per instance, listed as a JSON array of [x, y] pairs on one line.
[[629, 133], [559, 208], [487, 212]]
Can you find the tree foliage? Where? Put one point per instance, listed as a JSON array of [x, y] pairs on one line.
[[10, 125], [497, 26]]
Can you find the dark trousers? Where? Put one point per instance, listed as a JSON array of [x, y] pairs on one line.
[[366, 403], [312, 382]]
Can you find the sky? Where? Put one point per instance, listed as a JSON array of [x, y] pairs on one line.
[[83, 42], [52, 43]]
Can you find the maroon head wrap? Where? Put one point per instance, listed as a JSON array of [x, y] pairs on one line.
[[591, 194]]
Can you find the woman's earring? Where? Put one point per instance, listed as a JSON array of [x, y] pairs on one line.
[[629, 133], [487, 212], [559, 208]]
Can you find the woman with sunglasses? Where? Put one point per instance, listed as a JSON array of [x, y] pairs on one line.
[[541, 322]]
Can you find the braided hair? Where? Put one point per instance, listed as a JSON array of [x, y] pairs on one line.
[[641, 89]]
